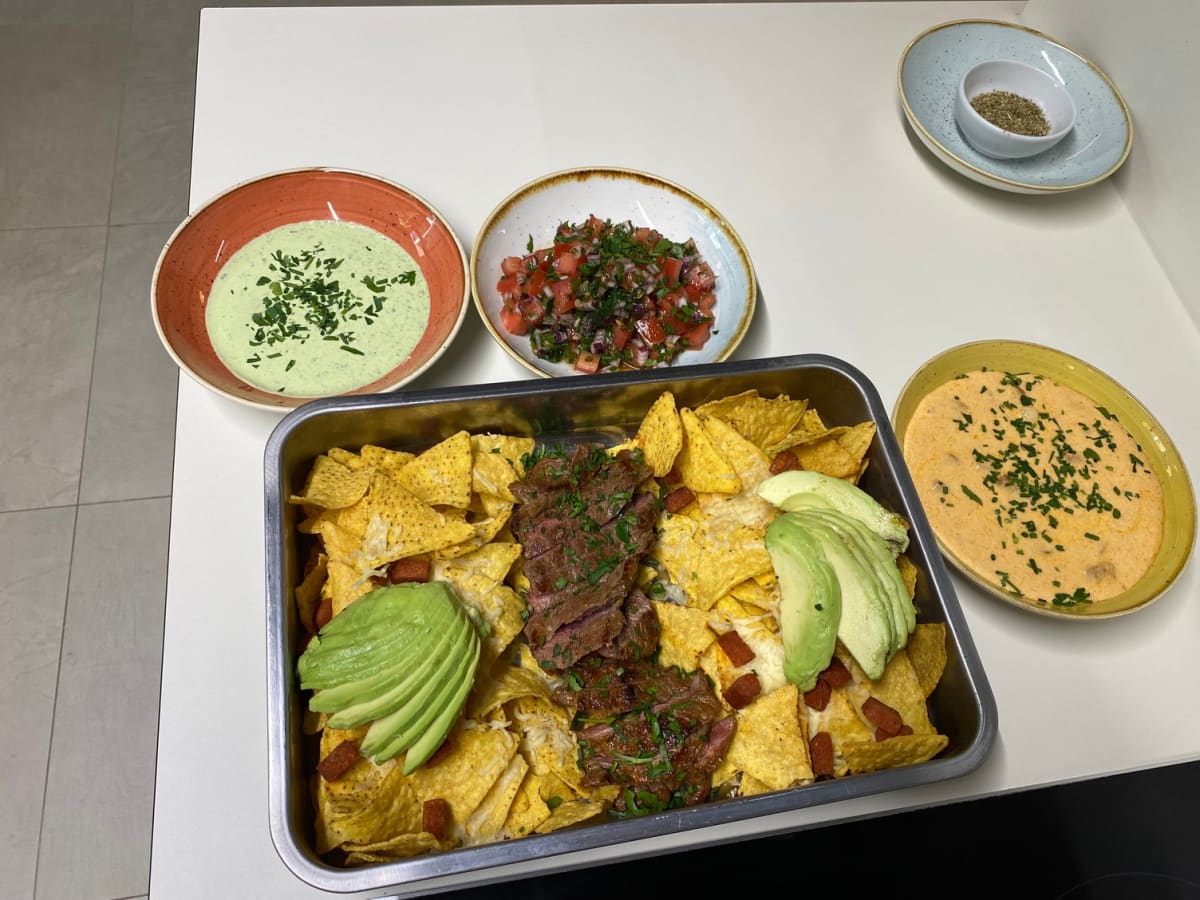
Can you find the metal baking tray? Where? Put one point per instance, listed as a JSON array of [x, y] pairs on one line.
[[566, 410]]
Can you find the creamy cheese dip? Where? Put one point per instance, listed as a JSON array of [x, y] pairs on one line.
[[316, 308], [1035, 487]]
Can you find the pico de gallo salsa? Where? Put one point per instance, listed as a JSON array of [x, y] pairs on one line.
[[607, 296]]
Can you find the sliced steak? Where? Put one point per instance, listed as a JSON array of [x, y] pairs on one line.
[[554, 609], [570, 643], [638, 639]]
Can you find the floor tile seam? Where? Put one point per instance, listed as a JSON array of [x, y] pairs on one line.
[[114, 501], [62, 637]]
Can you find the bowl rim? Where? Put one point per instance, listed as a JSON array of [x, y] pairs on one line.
[[1028, 140], [287, 403], [625, 172]]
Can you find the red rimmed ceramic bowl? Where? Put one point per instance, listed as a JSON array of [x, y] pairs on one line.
[[390, 216]]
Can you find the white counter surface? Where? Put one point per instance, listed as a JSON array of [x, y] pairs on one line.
[[784, 117]]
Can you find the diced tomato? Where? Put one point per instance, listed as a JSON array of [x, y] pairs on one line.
[[675, 324], [620, 336], [564, 297], [701, 276], [510, 265], [587, 363], [595, 225], [532, 310], [643, 235], [566, 258], [706, 303], [509, 289], [513, 322], [533, 288], [651, 330], [672, 299], [698, 336], [672, 267]]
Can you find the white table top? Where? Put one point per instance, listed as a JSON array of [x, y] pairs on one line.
[[866, 248]]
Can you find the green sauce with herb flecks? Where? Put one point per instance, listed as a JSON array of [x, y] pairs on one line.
[[316, 308]]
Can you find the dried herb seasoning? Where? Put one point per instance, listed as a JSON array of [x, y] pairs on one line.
[[1012, 112]]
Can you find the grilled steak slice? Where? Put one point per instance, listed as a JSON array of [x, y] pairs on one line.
[[550, 611], [638, 639], [662, 732], [568, 644], [574, 559]]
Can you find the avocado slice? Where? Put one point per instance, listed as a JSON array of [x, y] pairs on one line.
[[430, 669], [872, 550], [785, 489], [393, 733], [810, 606], [428, 742], [866, 627]]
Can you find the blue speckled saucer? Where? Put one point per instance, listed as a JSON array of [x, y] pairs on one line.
[[932, 66]]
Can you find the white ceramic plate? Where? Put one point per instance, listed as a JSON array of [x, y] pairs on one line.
[[932, 66], [538, 208]]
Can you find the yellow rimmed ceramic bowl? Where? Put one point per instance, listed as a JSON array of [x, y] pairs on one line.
[[1160, 454]]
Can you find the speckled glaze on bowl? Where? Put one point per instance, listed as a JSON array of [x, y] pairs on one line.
[[932, 66], [205, 240], [536, 209]]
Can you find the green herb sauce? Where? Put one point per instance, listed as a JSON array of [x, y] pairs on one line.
[[317, 308]]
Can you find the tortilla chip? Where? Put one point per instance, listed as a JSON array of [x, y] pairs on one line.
[[898, 687], [909, 574], [841, 720], [486, 823], [496, 463], [768, 744], [926, 651], [441, 476], [707, 559], [752, 593], [308, 592], [751, 786], [661, 435], [346, 584], [390, 462], [547, 742], [761, 421], [330, 485], [503, 683], [463, 777], [827, 456], [402, 846], [700, 464], [394, 523], [685, 635], [857, 440], [528, 809], [347, 458], [572, 812], [902, 750], [369, 804]]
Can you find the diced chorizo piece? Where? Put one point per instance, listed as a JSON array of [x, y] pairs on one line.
[[881, 735], [785, 461], [678, 499], [434, 814], [743, 691], [882, 716], [324, 613], [341, 759], [413, 568], [820, 753], [735, 648], [836, 675], [818, 697]]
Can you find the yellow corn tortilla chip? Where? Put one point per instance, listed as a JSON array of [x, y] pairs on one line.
[[572, 812], [751, 786], [827, 456], [902, 750], [308, 592], [402, 846], [768, 744], [390, 462], [898, 687], [700, 464], [346, 584], [708, 558], [685, 635], [752, 593], [841, 720], [486, 823], [547, 742], [487, 515], [908, 573], [463, 777], [661, 435], [505, 682], [330, 485], [369, 804], [441, 476], [760, 420], [749, 462], [347, 458], [394, 523], [926, 651], [496, 463], [528, 809]]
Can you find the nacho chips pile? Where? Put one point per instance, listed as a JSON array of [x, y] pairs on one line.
[[509, 767]]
